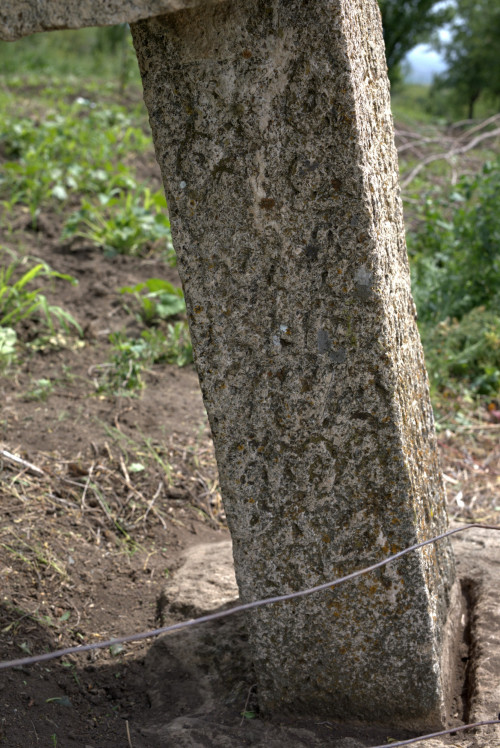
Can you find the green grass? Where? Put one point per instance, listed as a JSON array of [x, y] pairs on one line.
[[106, 53], [410, 104]]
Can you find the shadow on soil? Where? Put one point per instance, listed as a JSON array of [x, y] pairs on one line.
[[193, 688]]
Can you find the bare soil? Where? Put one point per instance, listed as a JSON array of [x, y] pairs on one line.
[[125, 485]]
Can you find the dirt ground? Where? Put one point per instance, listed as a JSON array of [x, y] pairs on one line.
[[123, 486]]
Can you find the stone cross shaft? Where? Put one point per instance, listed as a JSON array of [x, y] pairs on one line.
[[272, 126]]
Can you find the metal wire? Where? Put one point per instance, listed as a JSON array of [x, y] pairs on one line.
[[21, 662], [452, 731]]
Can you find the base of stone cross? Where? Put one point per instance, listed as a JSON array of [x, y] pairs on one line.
[[201, 682]]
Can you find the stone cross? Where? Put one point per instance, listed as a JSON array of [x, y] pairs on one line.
[[272, 126]]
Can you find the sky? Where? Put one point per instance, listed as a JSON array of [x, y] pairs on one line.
[[424, 62]]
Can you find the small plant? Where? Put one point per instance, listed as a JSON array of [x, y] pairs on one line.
[[123, 374], [157, 299], [41, 390], [133, 356], [123, 223], [179, 350], [19, 300], [73, 149], [8, 340]]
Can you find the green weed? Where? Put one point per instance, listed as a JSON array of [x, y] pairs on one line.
[[464, 353], [456, 249], [40, 390], [8, 340], [156, 299], [19, 300], [74, 149], [133, 356], [178, 349], [123, 375], [123, 223]]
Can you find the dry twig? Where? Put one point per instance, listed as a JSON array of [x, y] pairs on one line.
[[452, 153], [23, 463]]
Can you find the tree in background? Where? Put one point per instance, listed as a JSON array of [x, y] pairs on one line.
[[471, 55], [407, 23]]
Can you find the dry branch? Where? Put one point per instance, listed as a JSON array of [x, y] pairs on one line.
[[447, 155], [22, 463]]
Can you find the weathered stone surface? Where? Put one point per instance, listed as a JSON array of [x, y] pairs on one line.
[[272, 127], [478, 565], [19, 18], [215, 661], [205, 581]]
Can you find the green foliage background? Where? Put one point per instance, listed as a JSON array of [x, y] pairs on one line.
[[106, 53], [471, 55], [407, 23], [455, 262]]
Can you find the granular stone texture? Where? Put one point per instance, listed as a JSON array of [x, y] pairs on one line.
[[199, 680], [272, 127], [19, 18], [478, 564], [204, 582]]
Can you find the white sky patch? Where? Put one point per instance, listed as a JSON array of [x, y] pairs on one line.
[[424, 62]]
